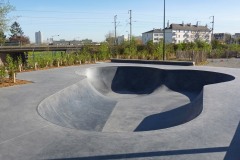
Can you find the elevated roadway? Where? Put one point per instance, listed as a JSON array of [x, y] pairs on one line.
[[20, 49]]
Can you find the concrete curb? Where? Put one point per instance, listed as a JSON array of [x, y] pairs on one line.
[[138, 61]]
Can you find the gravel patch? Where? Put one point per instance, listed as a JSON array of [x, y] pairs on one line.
[[230, 63]]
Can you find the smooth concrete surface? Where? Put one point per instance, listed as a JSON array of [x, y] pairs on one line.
[[77, 106], [131, 123]]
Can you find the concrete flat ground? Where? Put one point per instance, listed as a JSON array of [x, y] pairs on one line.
[[24, 134]]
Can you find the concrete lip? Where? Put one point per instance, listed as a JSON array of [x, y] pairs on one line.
[[157, 62], [130, 99]]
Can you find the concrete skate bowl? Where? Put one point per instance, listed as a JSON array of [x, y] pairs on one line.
[[130, 99]]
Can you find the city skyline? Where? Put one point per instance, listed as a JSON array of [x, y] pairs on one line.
[[94, 19]]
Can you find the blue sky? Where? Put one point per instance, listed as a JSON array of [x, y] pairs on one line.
[[93, 19]]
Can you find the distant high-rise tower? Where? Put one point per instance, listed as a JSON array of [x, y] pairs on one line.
[[38, 38]]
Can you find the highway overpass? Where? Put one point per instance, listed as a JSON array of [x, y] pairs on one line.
[[21, 49], [16, 51]]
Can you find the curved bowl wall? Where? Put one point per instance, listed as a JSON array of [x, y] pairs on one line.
[[130, 99]]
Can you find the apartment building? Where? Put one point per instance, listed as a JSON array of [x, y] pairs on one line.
[[154, 35], [38, 38], [184, 33], [236, 35], [121, 39], [236, 38]]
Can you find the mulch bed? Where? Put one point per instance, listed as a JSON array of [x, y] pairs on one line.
[[7, 83]]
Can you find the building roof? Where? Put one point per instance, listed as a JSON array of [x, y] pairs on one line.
[[189, 27], [155, 31]]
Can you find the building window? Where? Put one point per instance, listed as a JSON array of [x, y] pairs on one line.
[[155, 34]]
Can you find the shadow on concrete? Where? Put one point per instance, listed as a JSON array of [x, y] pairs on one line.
[[173, 117], [136, 80], [233, 152], [144, 80], [151, 154]]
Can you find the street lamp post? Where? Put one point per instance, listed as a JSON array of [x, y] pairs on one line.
[[164, 33]]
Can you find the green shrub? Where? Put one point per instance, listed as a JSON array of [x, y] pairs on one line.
[[11, 67], [3, 74], [104, 53], [55, 62]]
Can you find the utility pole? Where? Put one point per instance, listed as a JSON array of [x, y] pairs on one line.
[[213, 21], [164, 32], [130, 12], [115, 27]]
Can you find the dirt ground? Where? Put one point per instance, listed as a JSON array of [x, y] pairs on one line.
[[7, 83]]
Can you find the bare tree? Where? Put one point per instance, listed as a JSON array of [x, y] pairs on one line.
[[5, 8]]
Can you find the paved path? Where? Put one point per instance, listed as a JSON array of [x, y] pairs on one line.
[[24, 134]]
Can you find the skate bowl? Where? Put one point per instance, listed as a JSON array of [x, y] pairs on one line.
[[130, 99]]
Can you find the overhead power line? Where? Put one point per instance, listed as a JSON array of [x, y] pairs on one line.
[[70, 12], [63, 18]]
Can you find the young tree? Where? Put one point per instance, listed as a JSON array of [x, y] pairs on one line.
[[150, 47], [216, 44], [103, 51], [2, 73], [11, 67], [16, 30], [2, 37], [17, 34]]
